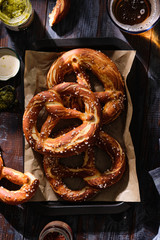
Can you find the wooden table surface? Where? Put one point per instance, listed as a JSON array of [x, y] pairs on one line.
[[88, 19]]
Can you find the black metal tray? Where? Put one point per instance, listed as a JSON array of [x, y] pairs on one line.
[[66, 44], [84, 208], [137, 87]]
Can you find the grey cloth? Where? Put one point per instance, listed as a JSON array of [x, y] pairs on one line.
[[155, 174]]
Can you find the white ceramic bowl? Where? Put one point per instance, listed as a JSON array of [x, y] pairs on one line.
[[9, 63]]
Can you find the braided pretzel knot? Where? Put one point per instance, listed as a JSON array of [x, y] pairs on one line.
[[27, 180], [76, 140], [77, 61], [94, 179]]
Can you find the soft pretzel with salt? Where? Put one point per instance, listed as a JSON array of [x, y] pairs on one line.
[[94, 179], [27, 181], [76, 140], [83, 59]]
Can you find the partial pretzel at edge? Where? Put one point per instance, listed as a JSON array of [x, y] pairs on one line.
[[27, 181], [59, 11]]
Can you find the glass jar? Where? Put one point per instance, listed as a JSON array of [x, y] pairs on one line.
[[16, 14], [56, 230]]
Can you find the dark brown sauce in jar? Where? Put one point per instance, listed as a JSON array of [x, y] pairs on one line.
[[54, 236], [131, 12]]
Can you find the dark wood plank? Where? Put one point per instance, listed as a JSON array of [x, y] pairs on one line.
[[12, 219], [3, 36], [151, 131], [11, 222], [81, 20]]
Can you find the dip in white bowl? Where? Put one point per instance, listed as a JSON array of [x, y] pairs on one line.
[[9, 64]]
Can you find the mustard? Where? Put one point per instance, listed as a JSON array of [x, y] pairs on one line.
[[16, 14], [12, 8]]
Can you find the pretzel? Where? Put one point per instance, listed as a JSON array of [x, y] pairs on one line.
[[94, 179], [115, 173], [78, 61], [59, 11], [27, 180], [74, 141], [55, 174]]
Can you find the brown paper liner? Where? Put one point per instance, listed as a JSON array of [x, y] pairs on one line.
[[37, 65]]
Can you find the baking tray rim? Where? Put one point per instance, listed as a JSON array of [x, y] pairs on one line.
[[92, 207]]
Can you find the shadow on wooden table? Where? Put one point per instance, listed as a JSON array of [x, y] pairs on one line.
[[22, 40]]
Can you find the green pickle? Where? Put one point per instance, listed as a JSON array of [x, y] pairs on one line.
[[7, 97], [16, 13], [12, 8]]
